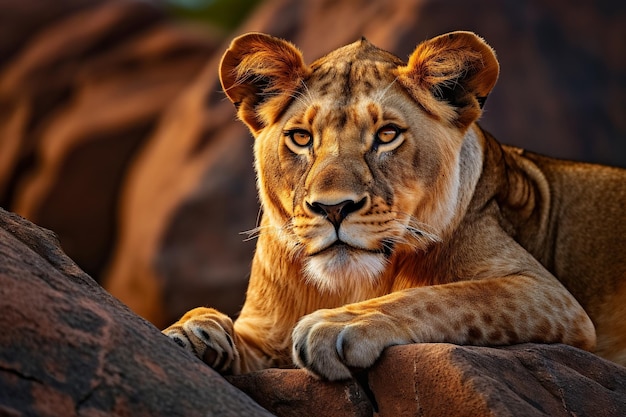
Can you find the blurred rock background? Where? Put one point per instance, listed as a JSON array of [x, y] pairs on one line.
[[114, 132]]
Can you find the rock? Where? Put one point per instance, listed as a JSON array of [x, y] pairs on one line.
[[68, 348], [294, 393], [447, 380], [525, 380], [73, 138], [115, 135], [81, 94]]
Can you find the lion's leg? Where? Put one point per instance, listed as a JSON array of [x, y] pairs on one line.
[[509, 310]]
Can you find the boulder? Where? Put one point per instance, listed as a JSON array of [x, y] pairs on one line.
[[436, 379], [115, 135], [525, 380], [68, 348], [81, 91]]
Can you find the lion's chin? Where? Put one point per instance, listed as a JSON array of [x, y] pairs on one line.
[[342, 269]]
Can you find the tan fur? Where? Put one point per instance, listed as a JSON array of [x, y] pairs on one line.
[[434, 232]]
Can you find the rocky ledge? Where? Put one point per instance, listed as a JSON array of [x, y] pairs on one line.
[[68, 348]]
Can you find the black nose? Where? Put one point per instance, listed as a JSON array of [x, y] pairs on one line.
[[336, 213]]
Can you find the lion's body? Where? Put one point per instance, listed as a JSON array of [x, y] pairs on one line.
[[391, 217], [583, 243]]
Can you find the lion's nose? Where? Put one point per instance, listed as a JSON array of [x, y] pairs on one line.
[[336, 213]]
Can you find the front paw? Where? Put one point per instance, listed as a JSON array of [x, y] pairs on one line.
[[331, 343], [208, 334]]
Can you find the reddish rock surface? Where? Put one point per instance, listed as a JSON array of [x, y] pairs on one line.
[[434, 380], [525, 380], [81, 93], [67, 348], [294, 393], [116, 136]]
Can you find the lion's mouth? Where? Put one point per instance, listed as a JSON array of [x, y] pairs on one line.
[[337, 245], [340, 248], [339, 266]]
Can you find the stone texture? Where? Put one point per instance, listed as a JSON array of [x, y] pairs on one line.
[[80, 96], [525, 380], [294, 393], [67, 348], [116, 136], [433, 380]]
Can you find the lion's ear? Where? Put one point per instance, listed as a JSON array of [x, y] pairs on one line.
[[259, 74], [451, 76]]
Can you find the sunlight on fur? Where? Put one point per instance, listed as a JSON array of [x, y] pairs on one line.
[[340, 270], [389, 216]]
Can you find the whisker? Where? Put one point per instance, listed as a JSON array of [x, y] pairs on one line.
[[282, 231], [382, 96], [253, 233], [299, 98], [418, 233], [308, 92], [258, 217], [423, 234]]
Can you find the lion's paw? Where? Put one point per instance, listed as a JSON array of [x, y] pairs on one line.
[[208, 334], [333, 343]]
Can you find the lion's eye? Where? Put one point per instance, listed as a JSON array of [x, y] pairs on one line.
[[299, 137], [387, 134]]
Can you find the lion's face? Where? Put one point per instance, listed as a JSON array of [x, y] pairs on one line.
[[353, 167], [351, 179]]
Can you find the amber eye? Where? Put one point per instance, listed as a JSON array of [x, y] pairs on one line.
[[300, 137], [388, 134]]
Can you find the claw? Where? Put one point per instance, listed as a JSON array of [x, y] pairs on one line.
[[361, 378], [180, 342], [210, 356], [339, 346]]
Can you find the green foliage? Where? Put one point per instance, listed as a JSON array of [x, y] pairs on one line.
[[224, 14]]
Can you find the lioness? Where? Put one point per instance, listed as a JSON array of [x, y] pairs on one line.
[[390, 217]]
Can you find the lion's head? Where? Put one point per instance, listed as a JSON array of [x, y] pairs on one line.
[[359, 156]]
